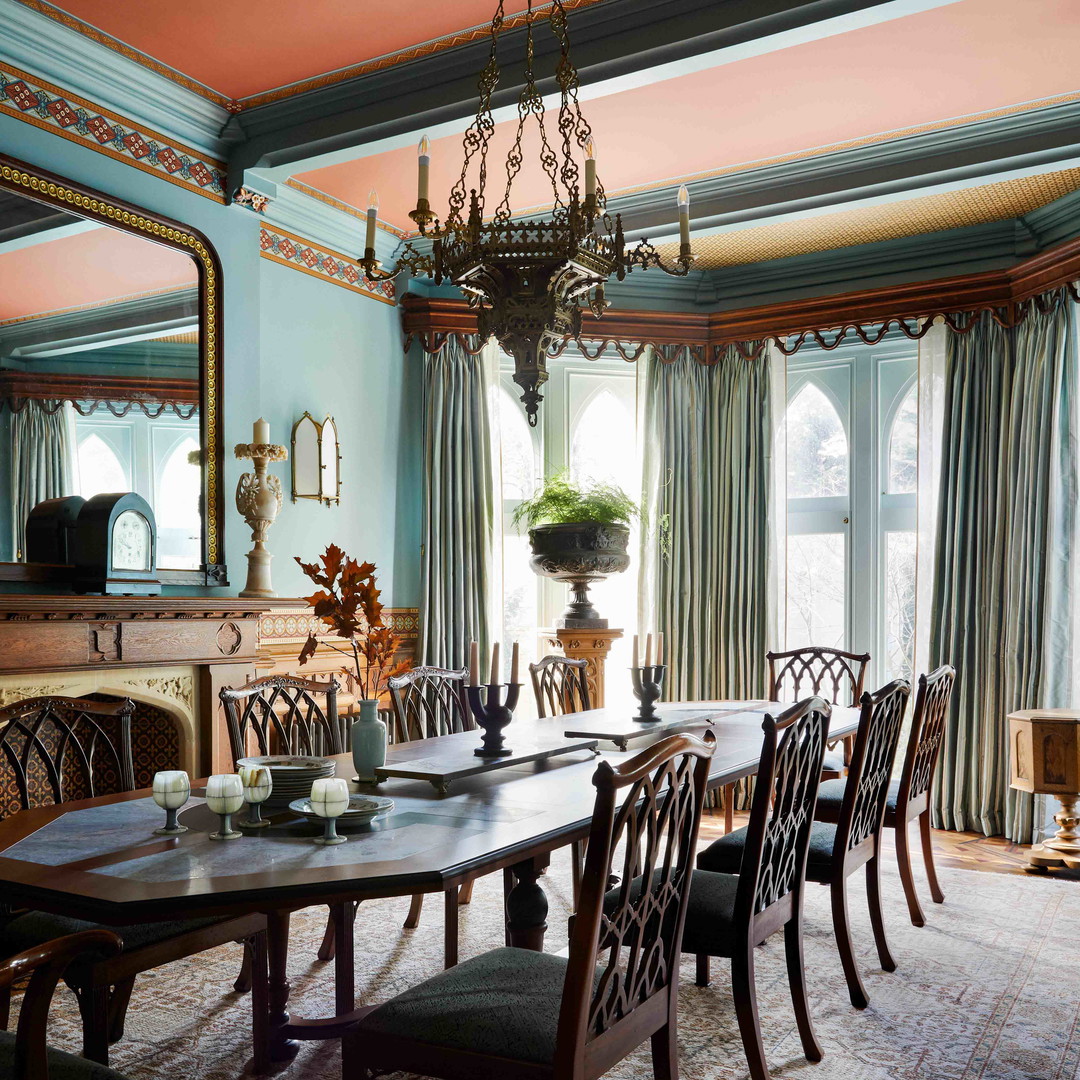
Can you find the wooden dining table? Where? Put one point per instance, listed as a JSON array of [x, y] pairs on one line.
[[97, 859]]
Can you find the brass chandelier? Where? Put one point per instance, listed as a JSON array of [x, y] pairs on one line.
[[527, 280]]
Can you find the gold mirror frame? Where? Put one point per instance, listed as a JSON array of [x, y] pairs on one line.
[[45, 187], [322, 495]]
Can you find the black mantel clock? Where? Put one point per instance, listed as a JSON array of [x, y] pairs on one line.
[[116, 546]]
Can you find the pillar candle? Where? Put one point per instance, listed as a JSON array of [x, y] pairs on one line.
[[660, 648], [260, 432], [637, 655], [514, 663], [495, 674], [424, 159], [372, 214], [648, 650], [684, 216]]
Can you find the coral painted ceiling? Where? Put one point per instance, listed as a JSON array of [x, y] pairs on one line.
[[241, 49], [89, 269], [926, 70]]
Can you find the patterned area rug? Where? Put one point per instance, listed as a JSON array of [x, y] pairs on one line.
[[989, 990]]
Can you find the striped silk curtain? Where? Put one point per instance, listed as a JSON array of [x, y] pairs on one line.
[[42, 461], [458, 514], [1003, 591], [707, 469]]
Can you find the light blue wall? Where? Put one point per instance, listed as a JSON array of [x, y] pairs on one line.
[[325, 350], [290, 342]]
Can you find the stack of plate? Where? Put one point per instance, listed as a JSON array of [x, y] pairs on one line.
[[292, 775]]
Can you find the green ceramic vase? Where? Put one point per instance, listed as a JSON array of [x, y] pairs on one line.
[[367, 740]]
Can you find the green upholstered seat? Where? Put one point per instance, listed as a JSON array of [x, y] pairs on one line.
[[61, 1066], [724, 856], [833, 761], [503, 1003], [710, 914], [35, 927], [831, 795]]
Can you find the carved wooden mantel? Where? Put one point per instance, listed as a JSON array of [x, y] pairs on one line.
[[217, 637]]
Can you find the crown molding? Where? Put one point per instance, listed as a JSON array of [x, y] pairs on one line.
[[47, 48], [617, 44]]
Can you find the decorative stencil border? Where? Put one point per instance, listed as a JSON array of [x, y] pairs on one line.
[[72, 117], [281, 627], [320, 262]]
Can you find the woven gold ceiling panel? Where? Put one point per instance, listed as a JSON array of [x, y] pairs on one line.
[[887, 221]]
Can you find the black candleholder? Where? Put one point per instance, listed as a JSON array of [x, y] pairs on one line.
[[648, 685], [493, 715]]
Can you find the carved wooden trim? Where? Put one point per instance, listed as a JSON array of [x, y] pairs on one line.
[[1009, 294], [18, 386]]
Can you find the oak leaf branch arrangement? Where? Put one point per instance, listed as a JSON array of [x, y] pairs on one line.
[[348, 603]]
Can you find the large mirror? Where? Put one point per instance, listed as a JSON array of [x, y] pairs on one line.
[[103, 373]]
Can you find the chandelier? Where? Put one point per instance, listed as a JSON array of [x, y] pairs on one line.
[[527, 280]]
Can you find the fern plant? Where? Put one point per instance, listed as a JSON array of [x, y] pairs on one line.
[[560, 501]]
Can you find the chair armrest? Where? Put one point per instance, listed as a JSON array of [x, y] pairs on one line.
[[44, 964]]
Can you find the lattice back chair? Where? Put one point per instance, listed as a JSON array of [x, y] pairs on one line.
[[282, 714], [560, 686], [58, 749], [428, 702], [749, 884], [55, 749], [911, 798], [833, 674], [549, 1018], [838, 850]]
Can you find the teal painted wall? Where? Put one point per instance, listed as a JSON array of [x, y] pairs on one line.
[[290, 342], [328, 350]]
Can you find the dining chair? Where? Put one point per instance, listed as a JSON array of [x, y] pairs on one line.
[[838, 849], [55, 749], [743, 893], [513, 1013], [833, 674], [429, 702], [25, 1054], [909, 797], [283, 714], [560, 686]]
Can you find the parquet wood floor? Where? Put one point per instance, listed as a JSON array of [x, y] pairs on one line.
[[961, 851]]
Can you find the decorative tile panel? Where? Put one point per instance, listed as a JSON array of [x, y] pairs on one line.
[[321, 262], [276, 627], [53, 109]]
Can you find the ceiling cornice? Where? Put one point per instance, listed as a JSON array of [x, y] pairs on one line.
[[617, 39]]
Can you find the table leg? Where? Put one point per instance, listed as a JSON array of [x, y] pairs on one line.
[[260, 1007], [527, 906], [344, 969], [277, 947]]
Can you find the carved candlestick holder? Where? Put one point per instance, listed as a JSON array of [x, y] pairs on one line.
[[493, 715], [648, 685], [258, 498]]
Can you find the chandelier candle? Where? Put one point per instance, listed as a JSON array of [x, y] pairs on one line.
[[372, 214], [684, 219], [590, 172], [424, 160]]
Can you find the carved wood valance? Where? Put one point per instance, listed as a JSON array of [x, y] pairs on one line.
[[116, 393], [1009, 295]]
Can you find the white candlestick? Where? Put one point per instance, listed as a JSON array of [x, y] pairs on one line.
[[648, 650], [372, 214], [637, 655], [260, 432], [424, 160], [474, 664], [514, 663], [495, 674]]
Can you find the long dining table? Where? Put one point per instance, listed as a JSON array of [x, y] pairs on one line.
[[97, 859]]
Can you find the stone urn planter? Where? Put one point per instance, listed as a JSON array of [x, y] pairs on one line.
[[579, 553]]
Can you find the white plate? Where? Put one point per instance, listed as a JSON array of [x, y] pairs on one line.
[[362, 808]]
